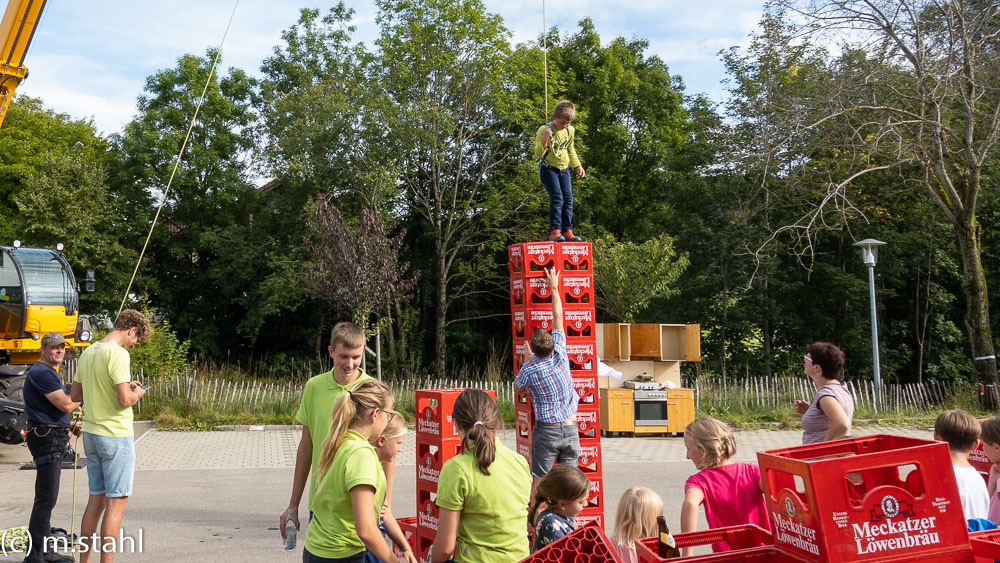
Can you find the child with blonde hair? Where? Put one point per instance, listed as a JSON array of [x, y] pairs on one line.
[[388, 446], [352, 483], [731, 492], [564, 490], [636, 518]]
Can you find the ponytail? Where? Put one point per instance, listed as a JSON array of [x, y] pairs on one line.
[[477, 418], [347, 410]]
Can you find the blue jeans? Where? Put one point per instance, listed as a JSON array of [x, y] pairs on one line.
[[559, 184], [110, 464]]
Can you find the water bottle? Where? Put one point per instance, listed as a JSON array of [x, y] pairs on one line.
[[290, 532]]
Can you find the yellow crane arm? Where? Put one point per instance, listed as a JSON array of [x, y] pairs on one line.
[[16, 31]]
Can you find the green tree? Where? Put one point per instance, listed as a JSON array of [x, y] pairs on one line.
[[627, 276]]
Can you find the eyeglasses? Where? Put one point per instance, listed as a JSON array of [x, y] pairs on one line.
[[391, 415], [808, 359]]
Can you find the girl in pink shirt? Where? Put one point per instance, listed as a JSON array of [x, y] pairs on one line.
[[731, 492]]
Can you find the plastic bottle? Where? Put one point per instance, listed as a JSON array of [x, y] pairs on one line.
[[666, 546], [290, 532]]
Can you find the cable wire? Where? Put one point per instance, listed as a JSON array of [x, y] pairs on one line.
[[180, 153]]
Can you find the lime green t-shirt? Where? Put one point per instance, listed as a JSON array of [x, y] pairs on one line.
[[331, 532], [561, 153], [492, 527], [321, 392], [101, 367]]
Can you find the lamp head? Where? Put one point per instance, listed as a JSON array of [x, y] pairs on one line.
[[869, 250]]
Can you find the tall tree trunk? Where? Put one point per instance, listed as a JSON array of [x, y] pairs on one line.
[[977, 312], [440, 308]]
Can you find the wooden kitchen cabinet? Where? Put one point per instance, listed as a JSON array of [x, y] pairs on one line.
[[680, 409], [617, 410], [613, 342]]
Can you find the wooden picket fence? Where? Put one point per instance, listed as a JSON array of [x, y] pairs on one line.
[[257, 396], [779, 392]]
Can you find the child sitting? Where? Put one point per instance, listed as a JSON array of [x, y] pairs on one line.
[[991, 446], [961, 430], [635, 519], [388, 446], [730, 491], [564, 490]]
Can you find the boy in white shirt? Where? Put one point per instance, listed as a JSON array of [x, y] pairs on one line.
[[961, 430]]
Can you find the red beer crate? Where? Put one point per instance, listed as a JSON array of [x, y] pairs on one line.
[[747, 536], [523, 446], [520, 345], [409, 528], [585, 386], [524, 321], [864, 499], [529, 259], [590, 460], [433, 409], [595, 500], [586, 544], [575, 256], [523, 398], [767, 554], [588, 516], [578, 321], [588, 422], [979, 459], [582, 354], [524, 421], [518, 292], [576, 288], [424, 540], [985, 545], [427, 509], [431, 457]]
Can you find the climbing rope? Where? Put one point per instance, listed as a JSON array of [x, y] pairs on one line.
[[545, 60], [177, 160]]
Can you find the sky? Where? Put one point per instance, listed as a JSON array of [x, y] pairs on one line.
[[90, 59]]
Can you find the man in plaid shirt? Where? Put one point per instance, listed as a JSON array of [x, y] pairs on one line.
[[546, 374]]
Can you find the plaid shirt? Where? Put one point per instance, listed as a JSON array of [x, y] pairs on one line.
[[550, 383]]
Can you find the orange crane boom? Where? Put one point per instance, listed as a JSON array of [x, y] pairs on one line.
[[16, 32]]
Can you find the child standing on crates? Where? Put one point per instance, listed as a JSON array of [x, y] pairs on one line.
[[961, 430], [564, 491], [731, 492], [636, 519], [556, 153]]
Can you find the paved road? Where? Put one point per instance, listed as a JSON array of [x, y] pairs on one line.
[[216, 496]]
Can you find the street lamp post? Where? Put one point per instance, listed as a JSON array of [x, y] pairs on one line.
[[869, 255]]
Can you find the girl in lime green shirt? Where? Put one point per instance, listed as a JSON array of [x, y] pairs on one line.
[[352, 484], [482, 493]]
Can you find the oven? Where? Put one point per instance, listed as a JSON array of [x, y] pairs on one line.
[[650, 407]]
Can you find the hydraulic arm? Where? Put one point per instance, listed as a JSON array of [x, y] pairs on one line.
[[16, 31]]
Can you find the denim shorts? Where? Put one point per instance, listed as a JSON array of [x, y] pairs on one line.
[[110, 464], [550, 444]]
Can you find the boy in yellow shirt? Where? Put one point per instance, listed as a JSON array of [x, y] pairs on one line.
[[556, 154]]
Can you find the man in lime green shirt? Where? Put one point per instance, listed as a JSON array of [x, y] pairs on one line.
[[103, 383], [347, 348]]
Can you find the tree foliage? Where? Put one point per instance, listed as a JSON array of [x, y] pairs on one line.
[[627, 276]]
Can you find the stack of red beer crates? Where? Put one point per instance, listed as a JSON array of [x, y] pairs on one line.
[[531, 308], [437, 442]]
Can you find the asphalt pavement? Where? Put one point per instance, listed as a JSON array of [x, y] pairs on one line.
[[217, 496]]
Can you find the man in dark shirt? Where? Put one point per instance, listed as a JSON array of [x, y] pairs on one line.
[[47, 408]]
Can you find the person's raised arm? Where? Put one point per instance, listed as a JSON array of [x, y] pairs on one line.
[[447, 535], [552, 280], [303, 462]]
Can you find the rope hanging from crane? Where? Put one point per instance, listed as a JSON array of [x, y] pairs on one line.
[[177, 160]]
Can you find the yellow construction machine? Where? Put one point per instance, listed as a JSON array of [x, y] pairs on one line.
[[38, 291]]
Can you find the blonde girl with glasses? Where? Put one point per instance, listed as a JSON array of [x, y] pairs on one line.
[[352, 485]]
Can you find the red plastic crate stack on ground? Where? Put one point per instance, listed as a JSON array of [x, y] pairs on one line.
[[873, 498], [437, 442], [588, 544], [531, 308], [746, 543]]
